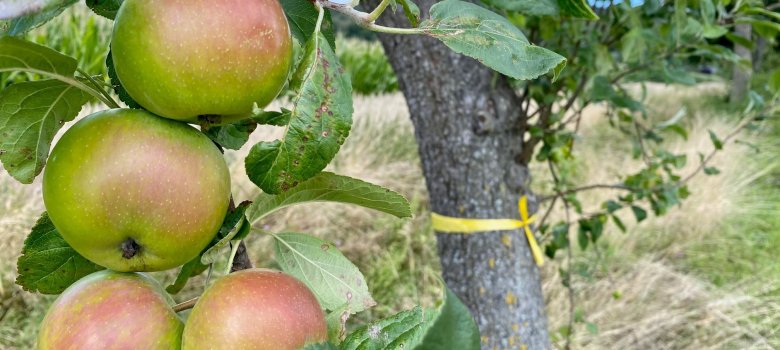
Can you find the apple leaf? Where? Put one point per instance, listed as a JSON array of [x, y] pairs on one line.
[[281, 118], [321, 346], [577, 8], [491, 39], [302, 17], [337, 323], [48, 264], [573, 8], [22, 55], [105, 8], [117, 85], [404, 330], [329, 187], [31, 114], [233, 135], [331, 276], [453, 328], [320, 121], [234, 227], [411, 11], [189, 270], [18, 25]]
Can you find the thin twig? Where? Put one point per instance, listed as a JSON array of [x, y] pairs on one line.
[[712, 154], [189, 304], [586, 188]]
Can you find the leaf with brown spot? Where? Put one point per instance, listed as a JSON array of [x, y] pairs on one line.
[[319, 122], [491, 39], [332, 277]]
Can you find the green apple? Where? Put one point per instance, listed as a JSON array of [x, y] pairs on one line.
[[255, 309], [135, 192], [111, 311], [185, 59]]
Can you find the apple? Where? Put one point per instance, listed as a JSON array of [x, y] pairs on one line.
[[111, 310], [255, 309], [135, 192], [185, 59]]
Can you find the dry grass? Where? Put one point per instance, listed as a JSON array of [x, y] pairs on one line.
[[639, 294], [661, 305]]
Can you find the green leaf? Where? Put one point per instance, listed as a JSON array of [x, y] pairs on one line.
[[331, 276], [411, 11], [577, 8], [573, 8], [274, 118], [48, 264], [329, 187], [21, 55], [231, 136], [639, 213], [612, 206], [708, 170], [235, 224], [302, 17], [117, 85], [528, 7], [491, 39], [189, 270], [337, 323], [105, 8], [454, 328], [404, 330], [321, 346], [774, 81], [18, 25], [319, 123], [31, 114], [715, 140]]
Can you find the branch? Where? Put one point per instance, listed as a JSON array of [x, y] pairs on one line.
[[586, 188], [365, 20], [712, 154], [189, 304]]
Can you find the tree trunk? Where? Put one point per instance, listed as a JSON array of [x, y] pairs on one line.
[[469, 128], [740, 82]]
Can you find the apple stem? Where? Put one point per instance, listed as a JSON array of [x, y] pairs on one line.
[[189, 304]]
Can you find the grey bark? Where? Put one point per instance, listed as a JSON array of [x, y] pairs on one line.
[[469, 128], [759, 52], [740, 81]]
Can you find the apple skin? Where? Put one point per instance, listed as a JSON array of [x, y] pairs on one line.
[[135, 192], [182, 59], [255, 309], [111, 311]]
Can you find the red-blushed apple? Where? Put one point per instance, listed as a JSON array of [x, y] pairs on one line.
[[255, 309], [112, 311], [183, 59], [135, 192]]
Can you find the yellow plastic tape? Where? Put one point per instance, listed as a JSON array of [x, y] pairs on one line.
[[448, 224]]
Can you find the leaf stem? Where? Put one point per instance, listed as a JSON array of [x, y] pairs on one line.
[[366, 20], [320, 16], [68, 80], [99, 88], [374, 15], [232, 256]]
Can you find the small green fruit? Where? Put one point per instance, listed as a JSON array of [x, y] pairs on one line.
[[111, 310], [255, 310], [183, 59], [134, 192]]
